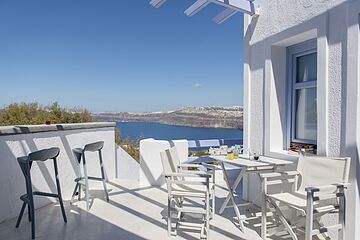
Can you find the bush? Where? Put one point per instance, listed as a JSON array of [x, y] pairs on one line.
[[130, 146], [34, 113]]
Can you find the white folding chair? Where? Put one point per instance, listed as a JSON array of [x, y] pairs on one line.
[[185, 185], [318, 188], [196, 169]]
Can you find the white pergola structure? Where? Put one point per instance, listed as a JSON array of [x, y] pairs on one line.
[[250, 7]]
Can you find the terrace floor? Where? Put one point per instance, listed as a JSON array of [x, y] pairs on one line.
[[132, 213]]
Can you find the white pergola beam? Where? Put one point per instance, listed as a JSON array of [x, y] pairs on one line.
[[224, 15], [157, 3], [245, 6], [196, 7], [250, 7]]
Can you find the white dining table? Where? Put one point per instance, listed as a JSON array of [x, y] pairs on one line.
[[247, 165]]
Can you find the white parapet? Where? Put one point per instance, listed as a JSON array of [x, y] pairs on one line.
[[127, 167], [150, 161]]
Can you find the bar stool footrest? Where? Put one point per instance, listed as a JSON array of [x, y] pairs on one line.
[[89, 178], [46, 194]]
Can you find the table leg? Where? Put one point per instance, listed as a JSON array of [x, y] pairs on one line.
[[234, 186], [231, 194]]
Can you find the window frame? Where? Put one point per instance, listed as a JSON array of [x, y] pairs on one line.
[[293, 52]]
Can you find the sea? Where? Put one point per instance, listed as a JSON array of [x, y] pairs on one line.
[[141, 130]]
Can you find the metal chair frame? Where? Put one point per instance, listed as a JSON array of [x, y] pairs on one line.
[[79, 154], [28, 198]]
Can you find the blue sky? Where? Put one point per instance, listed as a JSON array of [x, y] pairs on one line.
[[118, 55]]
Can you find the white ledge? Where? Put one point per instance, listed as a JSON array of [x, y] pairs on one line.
[[26, 129]]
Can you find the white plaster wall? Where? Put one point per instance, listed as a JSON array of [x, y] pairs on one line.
[[281, 24], [352, 114], [12, 183], [128, 167], [150, 161]]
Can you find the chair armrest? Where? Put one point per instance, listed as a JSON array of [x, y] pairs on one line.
[[279, 174], [188, 174], [188, 165], [326, 192], [193, 172], [327, 188]]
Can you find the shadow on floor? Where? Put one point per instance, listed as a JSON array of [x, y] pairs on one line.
[[133, 212], [81, 225]]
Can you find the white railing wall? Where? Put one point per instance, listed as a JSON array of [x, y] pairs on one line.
[[127, 167], [150, 162]]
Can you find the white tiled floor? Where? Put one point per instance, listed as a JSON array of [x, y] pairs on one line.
[[132, 213]]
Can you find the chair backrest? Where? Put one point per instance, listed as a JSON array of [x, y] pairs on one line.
[[93, 147], [320, 171], [169, 160], [44, 154]]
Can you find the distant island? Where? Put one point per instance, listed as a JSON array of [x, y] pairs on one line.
[[209, 117]]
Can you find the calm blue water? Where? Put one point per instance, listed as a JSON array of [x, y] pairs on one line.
[[140, 130]]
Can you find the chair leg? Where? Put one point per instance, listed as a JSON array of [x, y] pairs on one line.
[[62, 209], [103, 176], [74, 193], [30, 199], [78, 157], [213, 195], [309, 216], [59, 190], [29, 193], [263, 209], [207, 219], [87, 194], [105, 190], [33, 224], [213, 203], [21, 214], [86, 184], [29, 213], [32, 216], [79, 192], [169, 217], [342, 214]]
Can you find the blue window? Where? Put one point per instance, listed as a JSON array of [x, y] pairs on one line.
[[302, 74]]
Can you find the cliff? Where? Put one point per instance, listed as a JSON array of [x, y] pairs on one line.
[[213, 117]]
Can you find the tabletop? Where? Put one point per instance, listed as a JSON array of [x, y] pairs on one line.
[[245, 161]]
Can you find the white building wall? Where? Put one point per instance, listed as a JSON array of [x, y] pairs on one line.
[[352, 113], [335, 25]]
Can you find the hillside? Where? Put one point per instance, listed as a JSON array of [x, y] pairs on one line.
[[213, 117]]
